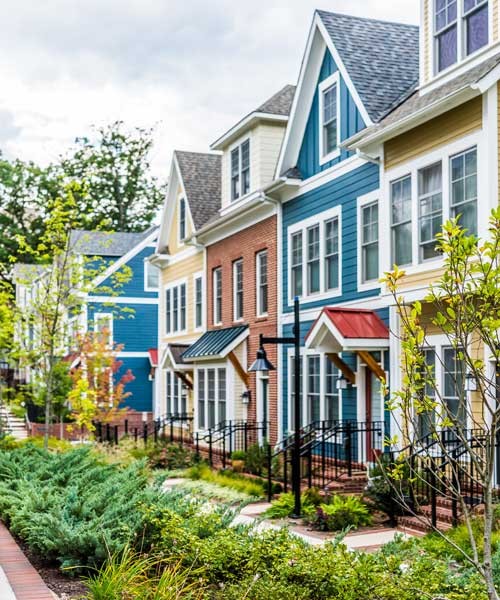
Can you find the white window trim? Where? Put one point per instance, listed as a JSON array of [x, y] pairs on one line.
[[214, 296], [304, 353], [175, 285], [363, 201], [321, 218], [236, 319], [324, 85], [109, 316], [259, 311], [462, 56], [181, 240], [238, 144], [229, 393], [196, 276], [148, 265], [443, 154]]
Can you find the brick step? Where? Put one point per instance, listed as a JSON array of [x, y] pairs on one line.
[[416, 524], [443, 514]]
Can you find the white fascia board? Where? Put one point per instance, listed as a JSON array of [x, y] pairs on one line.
[[318, 40], [490, 79], [125, 258], [170, 202], [364, 141], [247, 122]]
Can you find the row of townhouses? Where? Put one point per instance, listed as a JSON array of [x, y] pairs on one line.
[[391, 130]]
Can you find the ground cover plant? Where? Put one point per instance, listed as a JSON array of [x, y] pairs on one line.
[[240, 483], [340, 512]]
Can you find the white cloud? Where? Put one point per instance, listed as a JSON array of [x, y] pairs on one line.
[[192, 66]]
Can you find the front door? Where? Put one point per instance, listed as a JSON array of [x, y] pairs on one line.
[[374, 414]]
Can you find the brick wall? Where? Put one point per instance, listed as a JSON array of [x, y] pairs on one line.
[[245, 245]]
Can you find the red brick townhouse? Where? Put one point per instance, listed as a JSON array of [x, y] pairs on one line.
[[241, 275]]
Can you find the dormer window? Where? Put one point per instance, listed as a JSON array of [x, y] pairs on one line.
[[240, 170], [329, 138], [460, 29]]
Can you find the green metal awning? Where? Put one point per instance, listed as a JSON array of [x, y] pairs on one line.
[[216, 344]]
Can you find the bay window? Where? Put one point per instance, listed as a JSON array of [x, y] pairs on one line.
[[463, 168], [430, 203], [401, 221]]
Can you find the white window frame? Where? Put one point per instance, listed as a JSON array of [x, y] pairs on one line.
[[258, 267], [443, 154], [304, 354], [175, 382], [147, 266], [462, 55], [214, 296], [182, 238], [109, 316], [199, 277], [322, 88], [175, 289], [321, 218], [238, 318], [238, 145], [229, 404], [363, 201]]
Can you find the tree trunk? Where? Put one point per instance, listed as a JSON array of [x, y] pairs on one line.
[[488, 528], [48, 406]]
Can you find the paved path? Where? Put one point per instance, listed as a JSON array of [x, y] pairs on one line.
[[19, 580]]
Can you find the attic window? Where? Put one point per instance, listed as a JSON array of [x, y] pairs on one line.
[[329, 125], [240, 170], [182, 219]]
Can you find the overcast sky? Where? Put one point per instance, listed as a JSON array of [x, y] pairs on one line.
[[192, 67]]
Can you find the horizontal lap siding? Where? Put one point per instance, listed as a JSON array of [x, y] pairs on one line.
[[495, 20], [351, 123], [427, 25], [140, 389], [442, 130], [343, 191]]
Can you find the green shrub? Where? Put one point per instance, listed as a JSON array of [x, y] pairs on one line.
[[256, 459], [170, 456], [238, 455], [342, 512], [381, 491], [284, 506]]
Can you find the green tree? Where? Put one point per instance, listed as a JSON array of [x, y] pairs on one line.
[[121, 194], [457, 454]]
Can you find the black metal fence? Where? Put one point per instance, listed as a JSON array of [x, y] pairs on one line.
[[170, 428], [219, 442]]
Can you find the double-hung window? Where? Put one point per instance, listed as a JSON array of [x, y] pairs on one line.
[[198, 302], [369, 242], [401, 221], [201, 399], [262, 284], [430, 203], [103, 327], [217, 295], [176, 394], [332, 401], [238, 290], [152, 277], [427, 415], [454, 395], [476, 25], [296, 264], [182, 219], [313, 388], [463, 168], [240, 170], [446, 33], [175, 308], [212, 396], [330, 125], [332, 254], [313, 260]]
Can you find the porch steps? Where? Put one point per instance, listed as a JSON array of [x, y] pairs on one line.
[[444, 514], [14, 426]]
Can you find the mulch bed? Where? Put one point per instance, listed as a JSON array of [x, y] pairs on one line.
[[67, 588]]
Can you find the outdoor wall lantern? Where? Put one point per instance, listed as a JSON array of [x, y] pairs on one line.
[[342, 383], [246, 397], [470, 383]]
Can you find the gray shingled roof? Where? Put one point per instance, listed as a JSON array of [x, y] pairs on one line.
[[382, 58], [102, 243], [280, 103], [418, 101], [177, 350], [201, 176], [213, 343]]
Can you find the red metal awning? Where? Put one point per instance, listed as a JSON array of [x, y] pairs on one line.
[[340, 329], [153, 356]]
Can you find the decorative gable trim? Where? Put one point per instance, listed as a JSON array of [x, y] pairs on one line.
[[318, 41]]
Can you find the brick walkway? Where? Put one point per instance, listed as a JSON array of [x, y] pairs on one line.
[[23, 577]]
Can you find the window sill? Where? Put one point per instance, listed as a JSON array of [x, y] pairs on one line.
[[260, 318], [329, 157], [330, 294]]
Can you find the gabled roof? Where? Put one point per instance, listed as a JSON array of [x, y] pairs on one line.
[[279, 103], [419, 102], [201, 179], [102, 243], [381, 57], [216, 344]]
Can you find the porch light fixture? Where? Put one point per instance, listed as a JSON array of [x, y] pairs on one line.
[[470, 383], [262, 364], [246, 396], [342, 383]]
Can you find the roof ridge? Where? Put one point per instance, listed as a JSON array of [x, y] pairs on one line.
[[371, 19]]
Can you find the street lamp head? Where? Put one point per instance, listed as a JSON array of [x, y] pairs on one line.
[[262, 364]]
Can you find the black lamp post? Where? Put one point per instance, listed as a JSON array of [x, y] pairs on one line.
[[263, 365]]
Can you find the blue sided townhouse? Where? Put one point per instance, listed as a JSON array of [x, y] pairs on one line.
[[136, 328], [353, 73]]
